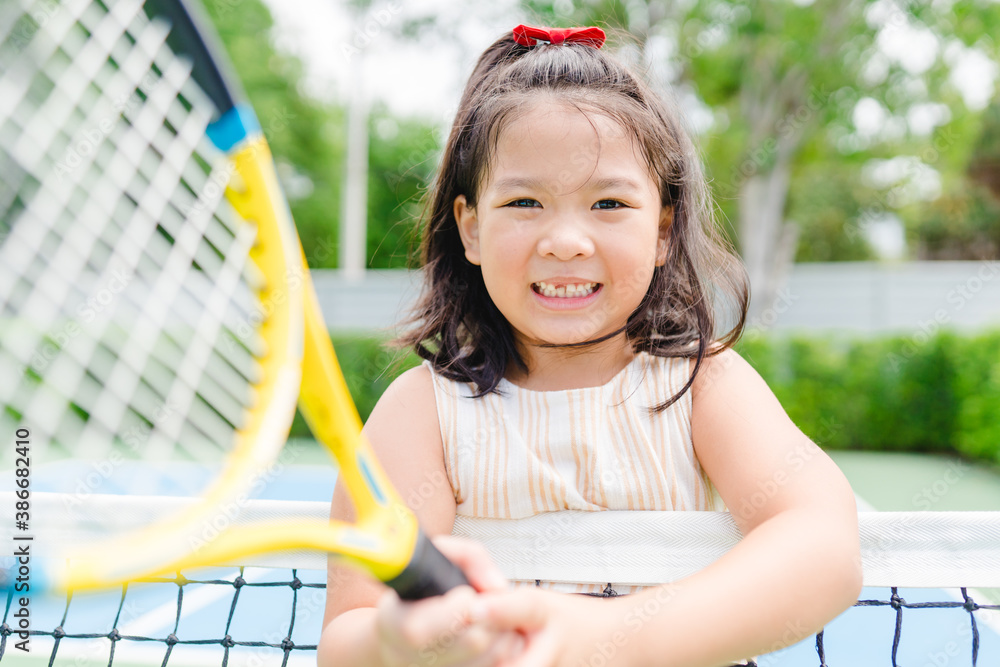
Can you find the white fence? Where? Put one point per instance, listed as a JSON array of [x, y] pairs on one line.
[[856, 297]]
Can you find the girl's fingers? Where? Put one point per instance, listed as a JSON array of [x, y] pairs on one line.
[[422, 623], [440, 631], [438, 620], [530, 616], [474, 561], [504, 648], [541, 649], [520, 610]]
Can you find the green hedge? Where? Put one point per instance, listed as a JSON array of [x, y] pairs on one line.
[[916, 393]]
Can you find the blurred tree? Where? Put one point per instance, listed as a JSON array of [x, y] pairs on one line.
[[402, 160], [771, 74], [308, 139], [804, 105], [984, 167], [964, 223], [305, 136], [828, 198]]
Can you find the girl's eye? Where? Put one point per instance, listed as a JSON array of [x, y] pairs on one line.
[[523, 203], [608, 205]]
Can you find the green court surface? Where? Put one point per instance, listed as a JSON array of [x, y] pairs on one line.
[[899, 482]]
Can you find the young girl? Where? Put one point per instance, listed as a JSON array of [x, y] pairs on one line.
[[575, 361]]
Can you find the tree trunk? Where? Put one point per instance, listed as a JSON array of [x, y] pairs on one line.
[[767, 240]]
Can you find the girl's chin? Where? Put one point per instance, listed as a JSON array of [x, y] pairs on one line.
[[559, 336]]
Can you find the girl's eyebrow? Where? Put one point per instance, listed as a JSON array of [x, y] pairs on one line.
[[527, 183]]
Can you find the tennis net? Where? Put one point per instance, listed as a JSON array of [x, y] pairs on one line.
[[930, 579]]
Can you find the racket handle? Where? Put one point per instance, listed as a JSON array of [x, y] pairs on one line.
[[428, 574]]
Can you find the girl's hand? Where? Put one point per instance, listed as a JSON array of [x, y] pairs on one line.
[[559, 629], [441, 631]]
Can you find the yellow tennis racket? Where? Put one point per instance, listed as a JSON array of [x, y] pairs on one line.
[[154, 295]]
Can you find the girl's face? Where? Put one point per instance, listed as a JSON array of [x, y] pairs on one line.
[[568, 227]]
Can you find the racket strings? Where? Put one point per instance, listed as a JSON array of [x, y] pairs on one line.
[[127, 292]]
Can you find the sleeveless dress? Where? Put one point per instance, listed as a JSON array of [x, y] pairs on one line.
[[520, 452]]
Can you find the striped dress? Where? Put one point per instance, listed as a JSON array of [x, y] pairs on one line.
[[520, 452]]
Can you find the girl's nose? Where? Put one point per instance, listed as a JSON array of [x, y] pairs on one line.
[[565, 238]]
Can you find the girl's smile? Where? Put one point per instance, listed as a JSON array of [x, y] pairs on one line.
[[566, 293]]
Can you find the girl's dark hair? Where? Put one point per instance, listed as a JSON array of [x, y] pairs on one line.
[[455, 324]]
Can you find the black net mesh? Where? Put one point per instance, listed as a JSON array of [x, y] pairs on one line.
[[292, 601], [222, 629]]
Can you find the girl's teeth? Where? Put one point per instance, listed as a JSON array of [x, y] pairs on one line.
[[565, 291]]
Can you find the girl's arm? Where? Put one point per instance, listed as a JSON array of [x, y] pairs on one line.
[[797, 567], [365, 624]]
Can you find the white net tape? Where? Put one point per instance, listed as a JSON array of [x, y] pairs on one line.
[[904, 549]]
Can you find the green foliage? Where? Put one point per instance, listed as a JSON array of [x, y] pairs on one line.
[[305, 136], [927, 392], [402, 160], [308, 139], [984, 165], [964, 223], [825, 199], [977, 389], [780, 76]]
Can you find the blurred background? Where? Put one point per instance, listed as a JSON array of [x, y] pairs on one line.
[[853, 149], [854, 154]]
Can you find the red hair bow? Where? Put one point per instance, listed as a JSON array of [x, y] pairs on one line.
[[525, 35]]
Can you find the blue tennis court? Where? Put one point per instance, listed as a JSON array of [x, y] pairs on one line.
[[263, 612]]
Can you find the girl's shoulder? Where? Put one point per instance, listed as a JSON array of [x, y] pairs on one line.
[[416, 383], [407, 397], [720, 365]]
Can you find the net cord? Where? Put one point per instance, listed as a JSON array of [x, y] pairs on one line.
[[905, 549]]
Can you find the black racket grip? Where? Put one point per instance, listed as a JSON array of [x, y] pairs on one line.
[[428, 574]]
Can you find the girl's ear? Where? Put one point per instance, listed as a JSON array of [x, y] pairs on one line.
[[468, 228], [663, 242]]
